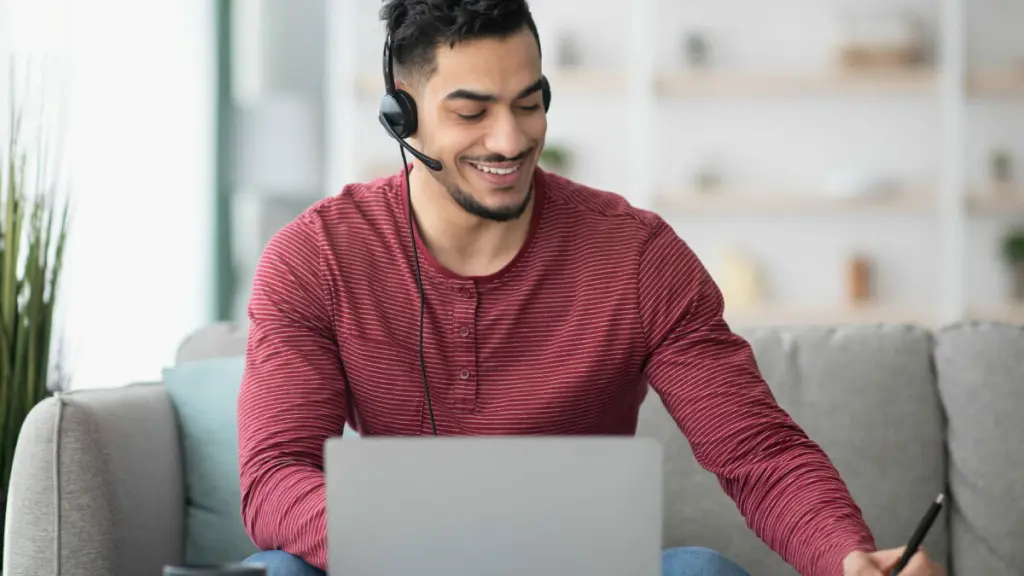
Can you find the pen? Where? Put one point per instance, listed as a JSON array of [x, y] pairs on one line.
[[919, 534]]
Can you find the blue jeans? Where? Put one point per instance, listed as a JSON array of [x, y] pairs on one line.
[[691, 561]]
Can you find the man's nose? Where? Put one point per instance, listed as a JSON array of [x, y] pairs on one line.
[[506, 137]]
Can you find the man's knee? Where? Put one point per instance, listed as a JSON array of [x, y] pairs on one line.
[[279, 563], [698, 561]]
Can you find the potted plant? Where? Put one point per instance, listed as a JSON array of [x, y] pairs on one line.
[[555, 157], [1013, 253], [33, 233]]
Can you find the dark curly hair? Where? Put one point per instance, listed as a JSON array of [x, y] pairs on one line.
[[419, 27]]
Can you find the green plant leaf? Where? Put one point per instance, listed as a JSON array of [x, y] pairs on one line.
[[33, 235]]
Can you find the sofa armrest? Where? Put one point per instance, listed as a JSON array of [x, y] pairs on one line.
[[112, 459]]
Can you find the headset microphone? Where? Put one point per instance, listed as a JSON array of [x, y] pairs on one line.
[[431, 163]]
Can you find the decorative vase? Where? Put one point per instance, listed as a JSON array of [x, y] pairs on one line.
[[568, 51], [696, 48], [859, 290]]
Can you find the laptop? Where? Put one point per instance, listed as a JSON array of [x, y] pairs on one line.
[[494, 506]]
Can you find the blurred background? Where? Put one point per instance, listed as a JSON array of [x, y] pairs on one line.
[[831, 161]]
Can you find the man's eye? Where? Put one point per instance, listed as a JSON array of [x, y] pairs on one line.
[[531, 108], [471, 116]]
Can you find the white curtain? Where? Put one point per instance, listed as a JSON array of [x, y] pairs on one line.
[[140, 146]]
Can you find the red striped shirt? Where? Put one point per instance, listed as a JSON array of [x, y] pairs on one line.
[[602, 300]]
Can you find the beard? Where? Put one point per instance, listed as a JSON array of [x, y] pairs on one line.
[[470, 204], [474, 207]]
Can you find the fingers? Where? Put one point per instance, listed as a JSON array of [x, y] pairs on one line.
[[918, 566], [887, 559], [921, 565]]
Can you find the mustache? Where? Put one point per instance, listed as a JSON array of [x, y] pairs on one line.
[[496, 158]]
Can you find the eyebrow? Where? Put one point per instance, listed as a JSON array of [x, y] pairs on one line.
[[464, 94]]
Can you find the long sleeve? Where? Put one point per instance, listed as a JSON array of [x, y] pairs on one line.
[[292, 397], [788, 491]]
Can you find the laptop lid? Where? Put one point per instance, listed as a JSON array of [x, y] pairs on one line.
[[542, 506]]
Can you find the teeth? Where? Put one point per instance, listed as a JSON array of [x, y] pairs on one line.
[[498, 171]]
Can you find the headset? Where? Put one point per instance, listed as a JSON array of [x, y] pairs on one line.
[[397, 114]]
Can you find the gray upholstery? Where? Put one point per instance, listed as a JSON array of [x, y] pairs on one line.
[[213, 341], [867, 396], [981, 368], [118, 479], [882, 401]]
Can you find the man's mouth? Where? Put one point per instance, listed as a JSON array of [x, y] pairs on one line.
[[498, 169]]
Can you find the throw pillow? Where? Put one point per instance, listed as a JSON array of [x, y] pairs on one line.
[[204, 394]]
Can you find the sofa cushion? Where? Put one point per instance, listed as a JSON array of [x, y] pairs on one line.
[[981, 380], [215, 340], [867, 396], [110, 459], [204, 394]]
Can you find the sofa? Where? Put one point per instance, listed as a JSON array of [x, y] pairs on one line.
[[111, 481]]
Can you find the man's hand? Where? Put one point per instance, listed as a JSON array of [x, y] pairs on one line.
[[882, 562]]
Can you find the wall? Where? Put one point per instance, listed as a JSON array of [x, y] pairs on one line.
[[994, 41], [279, 71], [139, 144], [763, 143]]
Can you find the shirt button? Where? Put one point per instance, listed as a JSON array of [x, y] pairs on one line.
[[467, 292], [464, 331], [464, 374]]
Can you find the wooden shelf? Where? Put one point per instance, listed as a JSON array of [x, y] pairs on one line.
[[1006, 83], [724, 83], [1010, 312], [594, 81], [785, 204], [997, 201], [809, 316], [839, 83]]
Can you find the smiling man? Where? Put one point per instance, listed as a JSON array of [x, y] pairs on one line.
[[548, 307]]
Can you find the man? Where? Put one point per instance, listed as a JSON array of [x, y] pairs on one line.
[[548, 309]]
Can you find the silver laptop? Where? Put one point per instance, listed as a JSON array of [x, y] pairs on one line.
[[486, 506]]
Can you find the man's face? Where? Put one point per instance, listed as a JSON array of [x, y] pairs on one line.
[[482, 114]]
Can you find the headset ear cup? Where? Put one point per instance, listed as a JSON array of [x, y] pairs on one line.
[[399, 110], [408, 106], [391, 113], [546, 92]]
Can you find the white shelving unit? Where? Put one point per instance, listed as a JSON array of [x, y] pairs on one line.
[[637, 94]]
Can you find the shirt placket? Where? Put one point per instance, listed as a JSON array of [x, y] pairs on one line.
[[464, 327]]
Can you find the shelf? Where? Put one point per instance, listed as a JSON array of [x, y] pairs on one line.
[[594, 81], [840, 83], [853, 314], [786, 204], [997, 201], [1010, 312], [1006, 83], [937, 206], [724, 83]]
